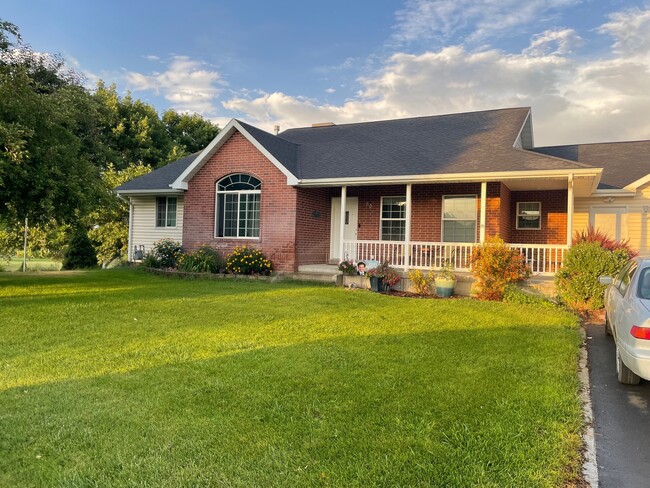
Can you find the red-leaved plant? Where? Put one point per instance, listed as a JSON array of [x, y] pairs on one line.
[[591, 234]]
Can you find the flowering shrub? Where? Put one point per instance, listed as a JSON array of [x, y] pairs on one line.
[[167, 252], [203, 260], [248, 260], [388, 275], [494, 265], [422, 282], [348, 267]]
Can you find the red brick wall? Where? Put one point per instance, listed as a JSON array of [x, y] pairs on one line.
[[554, 217], [277, 204], [313, 221]]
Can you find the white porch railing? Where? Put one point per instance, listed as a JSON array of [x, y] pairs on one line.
[[544, 259]]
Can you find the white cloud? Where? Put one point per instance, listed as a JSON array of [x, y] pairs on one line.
[[152, 57], [188, 84], [440, 19], [330, 90], [573, 100]]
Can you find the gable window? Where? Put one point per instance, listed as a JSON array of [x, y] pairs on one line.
[[529, 215], [393, 218], [459, 218], [238, 206], [166, 211]]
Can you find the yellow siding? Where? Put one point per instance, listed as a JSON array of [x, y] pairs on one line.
[[143, 218], [635, 225]]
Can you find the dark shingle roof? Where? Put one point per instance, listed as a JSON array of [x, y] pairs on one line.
[[161, 178], [443, 144], [622, 162], [281, 149]]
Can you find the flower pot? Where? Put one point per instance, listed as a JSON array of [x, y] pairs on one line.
[[376, 284], [445, 287]]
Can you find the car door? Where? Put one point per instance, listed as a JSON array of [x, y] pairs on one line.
[[621, 304], [613, 296]]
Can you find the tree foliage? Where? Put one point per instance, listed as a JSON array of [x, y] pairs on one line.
[[109, 220], [64, 148]]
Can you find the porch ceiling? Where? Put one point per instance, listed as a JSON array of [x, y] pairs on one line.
[[582, 185]]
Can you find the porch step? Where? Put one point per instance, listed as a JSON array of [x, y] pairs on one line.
[[319, 268]]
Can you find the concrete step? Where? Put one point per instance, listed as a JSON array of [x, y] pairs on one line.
[[319, 268], [314, 276]]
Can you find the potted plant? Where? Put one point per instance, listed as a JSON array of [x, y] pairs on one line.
[[348, 267], [383, 277], [446, 279]]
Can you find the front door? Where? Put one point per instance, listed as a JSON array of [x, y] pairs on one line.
[[610, 220], [351, 224]]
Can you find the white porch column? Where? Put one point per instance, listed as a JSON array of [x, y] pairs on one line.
[[344, 197], [481, 237], [569, 211], [407, 231]]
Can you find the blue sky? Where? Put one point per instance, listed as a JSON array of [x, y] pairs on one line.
[[583, 65]]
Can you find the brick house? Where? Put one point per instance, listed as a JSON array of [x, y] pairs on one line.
[[414, 191]]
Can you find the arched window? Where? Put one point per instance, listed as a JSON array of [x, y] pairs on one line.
[[238, 206]]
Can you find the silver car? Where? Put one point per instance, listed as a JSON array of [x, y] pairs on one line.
[[627, 318]]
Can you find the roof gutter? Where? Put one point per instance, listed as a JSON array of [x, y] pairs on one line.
[[166, 191], [450, 178]]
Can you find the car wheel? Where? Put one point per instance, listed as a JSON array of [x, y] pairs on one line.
[[625, 375], [608, 326]]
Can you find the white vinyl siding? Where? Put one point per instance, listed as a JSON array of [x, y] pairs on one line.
[[145, 232]]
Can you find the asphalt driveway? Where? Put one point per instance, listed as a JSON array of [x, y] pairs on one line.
[[621, 417]]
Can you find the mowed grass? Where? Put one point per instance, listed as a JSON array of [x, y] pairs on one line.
[[119, 378], [33, 264]]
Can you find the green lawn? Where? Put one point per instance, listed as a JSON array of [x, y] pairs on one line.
[[119, 378], [33, 264]]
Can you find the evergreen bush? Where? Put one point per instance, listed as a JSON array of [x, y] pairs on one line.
[[80, 253]]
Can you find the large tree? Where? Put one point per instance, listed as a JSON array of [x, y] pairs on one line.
[[47, 131]]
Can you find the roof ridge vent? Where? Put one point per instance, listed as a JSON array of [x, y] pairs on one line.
[[323, 124]]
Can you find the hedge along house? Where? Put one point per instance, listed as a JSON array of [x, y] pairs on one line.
[[411, 191]]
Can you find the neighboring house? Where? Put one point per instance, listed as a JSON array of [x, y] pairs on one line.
[[414, 191]]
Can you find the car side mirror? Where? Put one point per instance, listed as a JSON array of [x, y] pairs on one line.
[[605, 280]]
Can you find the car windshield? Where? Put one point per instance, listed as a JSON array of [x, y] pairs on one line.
[[644, 284]]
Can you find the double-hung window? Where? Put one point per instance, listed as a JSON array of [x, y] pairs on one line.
[[459, 218], [238, 207], [529, 215], [393, 218], [166, 211]]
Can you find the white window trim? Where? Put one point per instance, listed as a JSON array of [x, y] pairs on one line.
[[442, 217], [216, 211], [381, 218], [528, 228], [166, 210]]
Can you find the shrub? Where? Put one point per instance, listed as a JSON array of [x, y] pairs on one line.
[[150, 261], [514, 294], [591, 234], [167, 252], [422, 282], [203, 260], [248, 260], [494, 265], [80, 252], [577, 281]]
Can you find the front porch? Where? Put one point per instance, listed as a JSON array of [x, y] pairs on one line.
[[423, 225]]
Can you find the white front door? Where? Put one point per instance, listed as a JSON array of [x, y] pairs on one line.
[[351, 224], [611, 220]]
